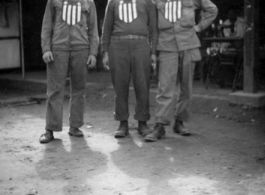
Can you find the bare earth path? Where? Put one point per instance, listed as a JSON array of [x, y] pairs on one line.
[[225, 155]]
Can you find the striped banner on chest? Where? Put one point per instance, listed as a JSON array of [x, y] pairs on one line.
[[71, 12], [173, 10], [128, 11]]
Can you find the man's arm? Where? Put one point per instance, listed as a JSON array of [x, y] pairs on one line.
[[210, 12], [93, 30], [47, 27], [153, 29], [107, 33], [107, 26]]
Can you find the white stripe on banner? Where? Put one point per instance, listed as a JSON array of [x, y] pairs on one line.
[[170, 11], [125, 13], [78, 12], [69, 14], [74, 15], [64, 10], [174, 11], [166, 11], [130, 12], [120, 10], [134, 10], [179, 9]]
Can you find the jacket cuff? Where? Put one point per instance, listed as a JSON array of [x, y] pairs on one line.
[[94, 53], [104, 48], [198, 28], [46, 48], [153, 50]]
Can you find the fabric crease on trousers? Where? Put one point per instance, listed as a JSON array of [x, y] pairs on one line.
[[175, 85], [72, 64]]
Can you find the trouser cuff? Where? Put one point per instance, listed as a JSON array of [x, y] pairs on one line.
[[76, 125], [121, 118], [53, 128], [182, 118], [162, 121], [142, 117]]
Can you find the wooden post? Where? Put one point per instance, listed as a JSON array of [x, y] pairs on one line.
[[21, 39], [251, 46]]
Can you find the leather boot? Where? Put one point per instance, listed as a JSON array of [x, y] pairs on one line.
[[158, 133], [46, 137], [123, 130], [143, 128], [180, 129], [73, 131]]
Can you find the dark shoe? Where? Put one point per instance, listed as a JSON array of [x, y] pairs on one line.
[[180, 129], [122, 131], [158, 133], [46, 137], [75, 132], [143, 128]]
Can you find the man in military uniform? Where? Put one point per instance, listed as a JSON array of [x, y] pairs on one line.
[[178, 51], [69, 40], [127, 27]]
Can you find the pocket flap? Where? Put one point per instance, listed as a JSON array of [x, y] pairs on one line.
[[163, 23], [187, 3], [85, 6]]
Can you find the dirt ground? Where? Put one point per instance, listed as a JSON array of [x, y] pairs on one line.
[[225, 155]]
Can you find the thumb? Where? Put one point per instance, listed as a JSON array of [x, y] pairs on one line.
[[88, 60], [106, 66], [51, 56], [104, 61]]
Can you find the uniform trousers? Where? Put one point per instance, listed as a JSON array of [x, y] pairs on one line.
[[130, 58], [175, 85], [72, 63]]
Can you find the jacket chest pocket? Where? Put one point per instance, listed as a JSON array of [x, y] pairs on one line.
[[71, 12], [127, 11], [188, 14], [58, 7], [85, 14], [172, 11], [163, 22]]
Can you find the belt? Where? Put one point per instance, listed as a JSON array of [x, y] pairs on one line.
[[134, 37]]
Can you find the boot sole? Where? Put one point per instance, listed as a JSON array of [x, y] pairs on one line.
[[153, 140], [143, 134], [182, 134], [120, 135], [74, 135]]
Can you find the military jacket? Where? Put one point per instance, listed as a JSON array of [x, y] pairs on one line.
[[176, 23], [70, 25]]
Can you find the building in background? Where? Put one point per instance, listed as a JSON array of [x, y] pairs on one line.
[[17, 36], [10, 35], [20, 29]]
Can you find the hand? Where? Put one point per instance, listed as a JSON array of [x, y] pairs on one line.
[[197, 29], [47, 57], [91, 62], [154, 61], [105, 60]]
